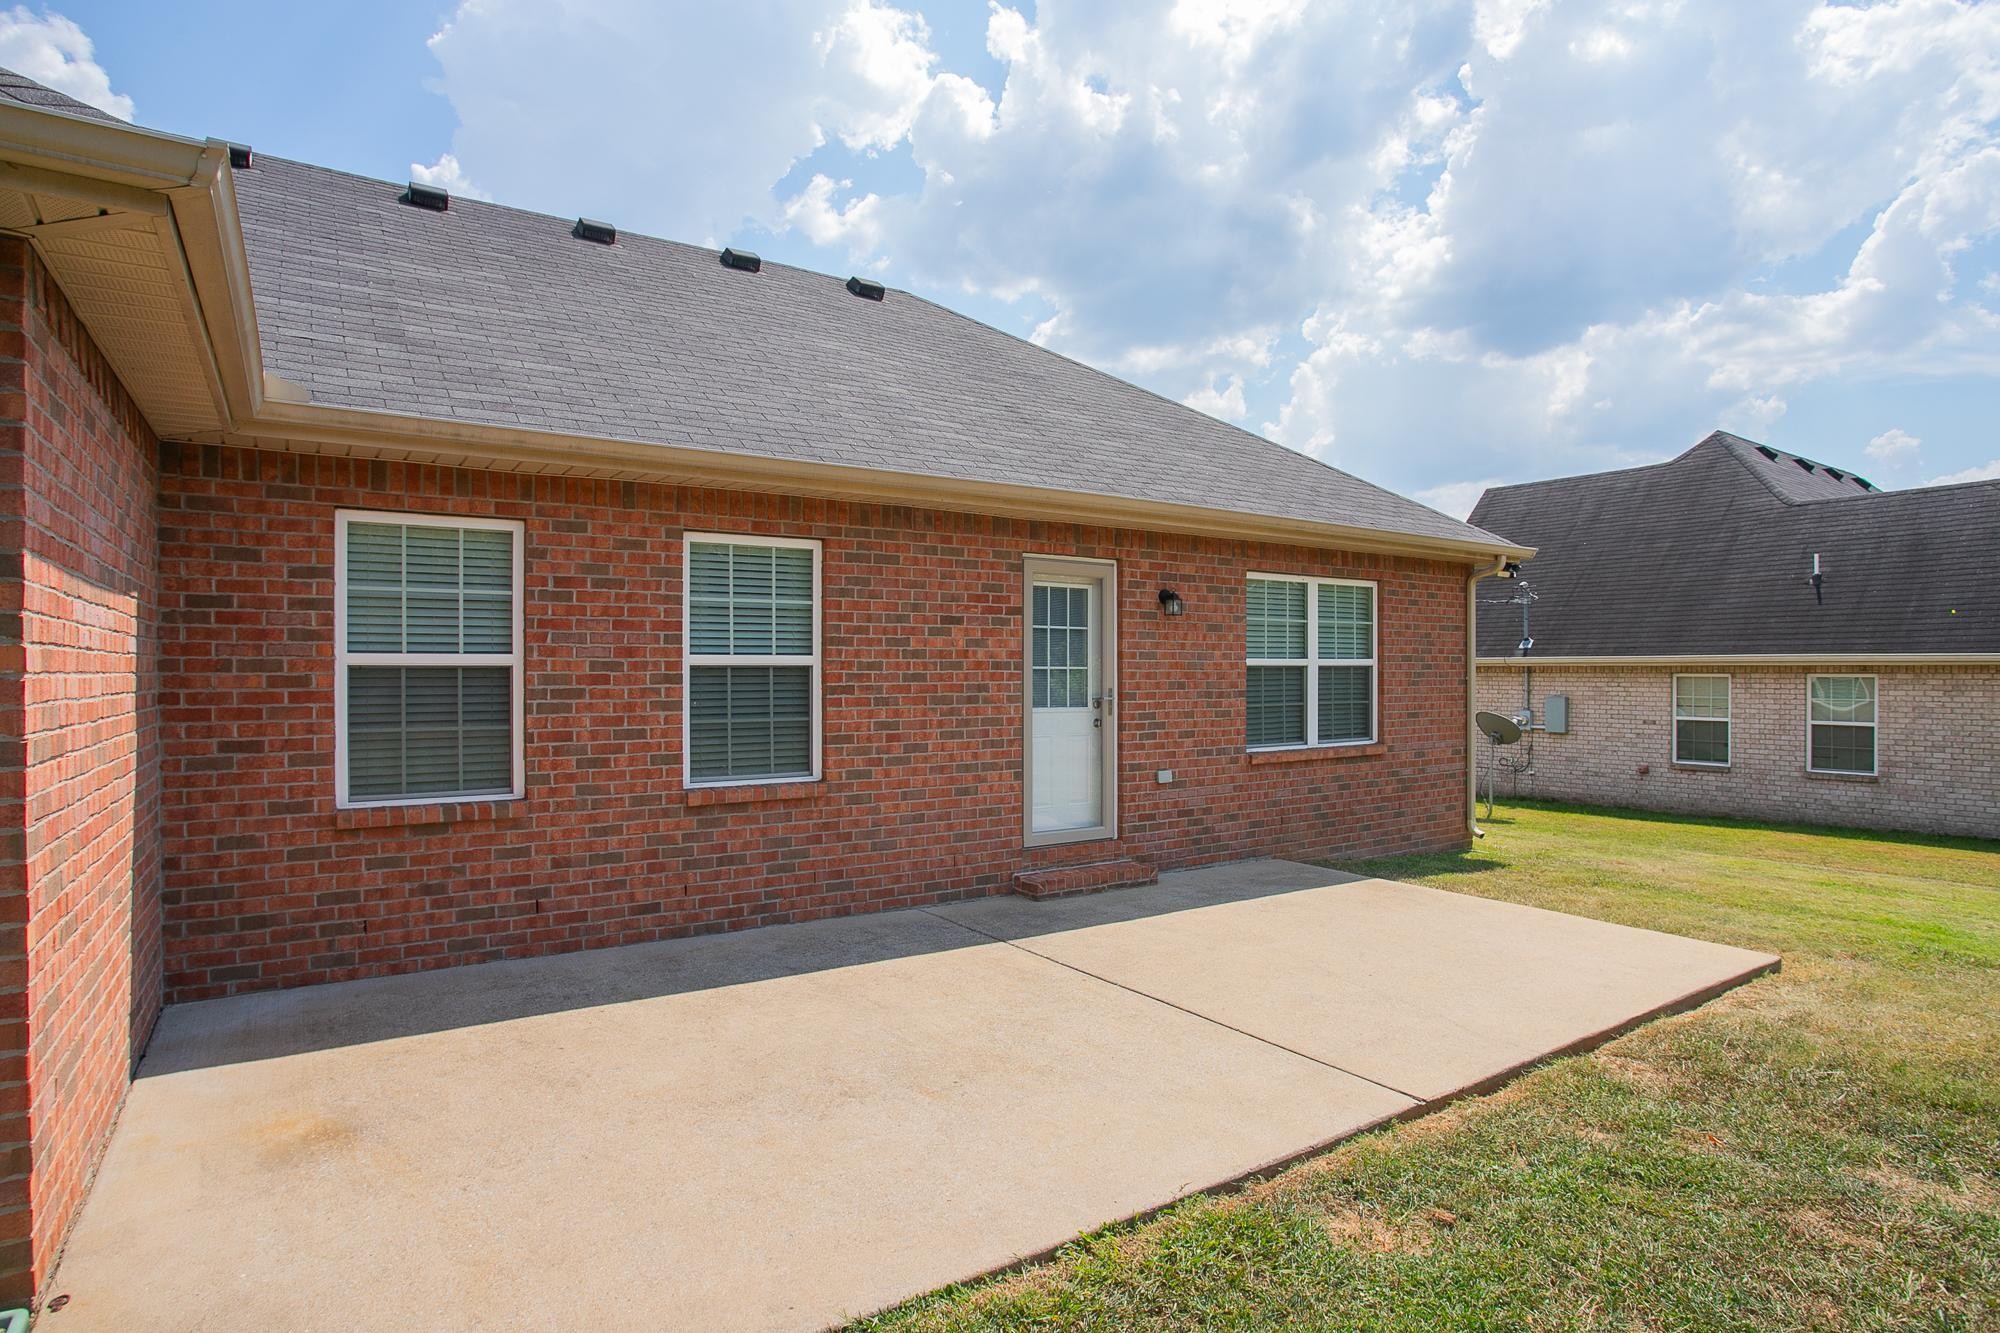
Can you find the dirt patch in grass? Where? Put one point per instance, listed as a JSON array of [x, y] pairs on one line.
[[1647, 1077], [1363, 1231], [1972, 1192]]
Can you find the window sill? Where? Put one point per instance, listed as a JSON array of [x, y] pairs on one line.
[[1307, 753], [1680, 767], [754, 792], [436, 812], [1812, 775]]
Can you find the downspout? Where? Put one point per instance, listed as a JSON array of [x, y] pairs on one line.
[[1472, 694]]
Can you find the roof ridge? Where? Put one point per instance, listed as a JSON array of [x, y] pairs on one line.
[[1589, 476], [624, 233], [1722, 440]]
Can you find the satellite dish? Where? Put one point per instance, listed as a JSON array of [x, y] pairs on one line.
[[1497, 728]]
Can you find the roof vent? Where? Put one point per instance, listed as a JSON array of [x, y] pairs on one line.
[[589, 229], [1835, 473], [239, 156], [866, 288], [1805, 463], [425, 196], [742, 259], [1768, 452], [1862, 482]]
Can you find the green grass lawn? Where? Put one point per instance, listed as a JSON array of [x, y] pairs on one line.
[[1818, 1149]]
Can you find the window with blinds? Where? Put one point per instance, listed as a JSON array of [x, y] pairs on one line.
[[427, 658], [752, 660], [1840, 725], [1701, 720], [1311, 662]]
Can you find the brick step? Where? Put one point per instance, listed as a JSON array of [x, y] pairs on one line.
[[1061, 881]]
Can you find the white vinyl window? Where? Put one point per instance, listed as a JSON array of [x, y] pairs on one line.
[[1310, 672], [427, 658], [1701, 720], [753, 660], [1840, 724]]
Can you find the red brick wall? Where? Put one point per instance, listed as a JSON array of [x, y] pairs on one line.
[[268, 885], [79, 904]]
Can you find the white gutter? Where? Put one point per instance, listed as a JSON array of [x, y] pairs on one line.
[[1472, 660], [1756, 659]]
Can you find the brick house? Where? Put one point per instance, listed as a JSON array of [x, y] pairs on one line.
[[396, 581], [1701, 666]]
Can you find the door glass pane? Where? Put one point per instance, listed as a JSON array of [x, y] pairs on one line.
[[1059, 646]]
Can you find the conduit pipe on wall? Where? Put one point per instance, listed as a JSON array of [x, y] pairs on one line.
[[1472, 693]]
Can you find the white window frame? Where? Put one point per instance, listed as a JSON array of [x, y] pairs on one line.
[[691, 660], [1312, 661], [1727, 719], [343, 659], [1875, 750]]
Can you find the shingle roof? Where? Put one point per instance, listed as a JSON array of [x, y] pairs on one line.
[[1710, 554], [20, 88], [498, 316]]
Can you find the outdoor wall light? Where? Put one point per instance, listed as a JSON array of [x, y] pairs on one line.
[[1171, 603]]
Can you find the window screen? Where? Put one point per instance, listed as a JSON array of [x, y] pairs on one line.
[[1840, 715], [753, 662], [428, 659], [1310, 668], [1701, 720]]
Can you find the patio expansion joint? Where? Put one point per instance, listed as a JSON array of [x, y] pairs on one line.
[[1419, 1101]]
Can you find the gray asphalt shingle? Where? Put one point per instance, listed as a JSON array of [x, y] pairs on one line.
[[1710, 553], [498, 316]]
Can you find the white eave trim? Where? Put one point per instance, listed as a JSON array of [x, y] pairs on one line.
[[322, 428], [1759, 659]]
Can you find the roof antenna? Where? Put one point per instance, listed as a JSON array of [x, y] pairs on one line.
[[1815, 580]]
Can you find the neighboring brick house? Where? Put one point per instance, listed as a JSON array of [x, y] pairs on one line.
[[1705, 669], [395, 581]]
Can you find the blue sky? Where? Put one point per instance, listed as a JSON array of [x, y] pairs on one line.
[[1439, 244]]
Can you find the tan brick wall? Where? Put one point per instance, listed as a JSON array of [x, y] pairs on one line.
[[1937, 746]]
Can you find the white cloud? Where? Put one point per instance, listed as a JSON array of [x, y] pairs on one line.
[[1893, 448], [1423, 241], [1220, 398], [52, 50], [1983, 472], [446, 174], [668, 117], [1456, 497], [853, 226]]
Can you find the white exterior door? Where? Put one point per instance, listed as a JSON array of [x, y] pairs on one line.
[[1070, 702]]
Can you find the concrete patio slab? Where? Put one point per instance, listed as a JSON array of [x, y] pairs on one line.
[[785, 1127], [1427, 992]]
